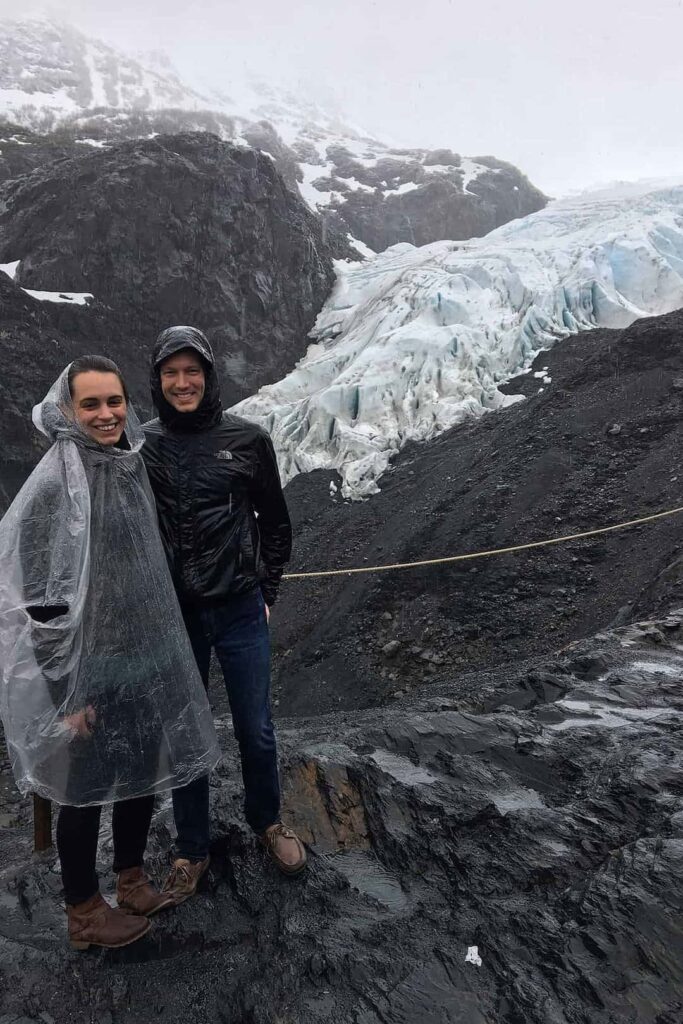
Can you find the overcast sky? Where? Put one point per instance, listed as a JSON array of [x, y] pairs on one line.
[[573, 93]]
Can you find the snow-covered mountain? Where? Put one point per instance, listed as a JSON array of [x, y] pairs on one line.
[[51, 74], [55, 80], [417, 339]]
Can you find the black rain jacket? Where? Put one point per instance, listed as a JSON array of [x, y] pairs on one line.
[[222, 514]]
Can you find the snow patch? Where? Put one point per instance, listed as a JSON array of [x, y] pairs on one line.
[[96, 143], [10, 268], [471, 171], [75, 298], [407, 186], [361, 247], [310, 194], [99, 95]]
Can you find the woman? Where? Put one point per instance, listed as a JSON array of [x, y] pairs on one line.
[[99, 692]]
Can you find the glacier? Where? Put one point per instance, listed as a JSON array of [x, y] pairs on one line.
[[414, 340]]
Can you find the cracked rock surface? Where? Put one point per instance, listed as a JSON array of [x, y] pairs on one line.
[[534, 811]]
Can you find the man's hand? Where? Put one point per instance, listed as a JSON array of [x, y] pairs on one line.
[[267, 614], [81, 724]]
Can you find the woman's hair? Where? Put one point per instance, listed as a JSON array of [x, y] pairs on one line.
[[100, 364]]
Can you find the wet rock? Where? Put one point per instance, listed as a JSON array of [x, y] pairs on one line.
[[437, 208], [324, 804], [544, 831], [126, 224], [442, 156], [589, 666], [391, 649]]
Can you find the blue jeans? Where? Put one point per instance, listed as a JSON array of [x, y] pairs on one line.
[[238, 632]]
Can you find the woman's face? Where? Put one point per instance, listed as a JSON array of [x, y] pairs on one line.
[[99, 405]]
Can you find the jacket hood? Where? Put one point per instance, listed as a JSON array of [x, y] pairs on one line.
[[210, 410]]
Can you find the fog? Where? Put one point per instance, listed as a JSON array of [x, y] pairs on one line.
[[574, 95]]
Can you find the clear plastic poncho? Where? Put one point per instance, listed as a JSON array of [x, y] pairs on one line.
[[89, 622]]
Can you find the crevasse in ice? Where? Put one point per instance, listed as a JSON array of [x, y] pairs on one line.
[[416, 339]]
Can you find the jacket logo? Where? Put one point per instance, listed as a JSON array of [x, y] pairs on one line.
[[225, 454]]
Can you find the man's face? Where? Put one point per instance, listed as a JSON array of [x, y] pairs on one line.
[[182, 380]]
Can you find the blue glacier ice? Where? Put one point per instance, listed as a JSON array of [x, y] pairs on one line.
[[414, 340]]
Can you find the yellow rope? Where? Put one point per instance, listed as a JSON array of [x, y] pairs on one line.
[[484, 554]]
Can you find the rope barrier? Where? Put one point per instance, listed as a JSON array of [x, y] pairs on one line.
[[484, 554]]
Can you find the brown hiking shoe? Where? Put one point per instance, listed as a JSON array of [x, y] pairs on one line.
[[95, 923], [136, 894], [183, 879], [284, 848]]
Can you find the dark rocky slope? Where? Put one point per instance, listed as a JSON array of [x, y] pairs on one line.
[[437, 207], [601, 444], [177, 229], [22, 150], [37, 340], [535, 812]]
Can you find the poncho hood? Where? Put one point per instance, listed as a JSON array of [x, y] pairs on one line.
[[56, 418], [210, 410]]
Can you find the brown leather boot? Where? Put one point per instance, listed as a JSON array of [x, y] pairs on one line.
[[136, 895], [95, 923], [183, 879], [285, 848]]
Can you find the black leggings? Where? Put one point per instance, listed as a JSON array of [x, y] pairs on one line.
[[78, 830]]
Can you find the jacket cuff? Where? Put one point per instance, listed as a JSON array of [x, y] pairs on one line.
[[269, 591]]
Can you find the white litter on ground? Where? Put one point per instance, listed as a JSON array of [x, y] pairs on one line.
[[473, 956]]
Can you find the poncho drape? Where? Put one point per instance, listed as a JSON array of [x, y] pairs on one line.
[[89, 622]]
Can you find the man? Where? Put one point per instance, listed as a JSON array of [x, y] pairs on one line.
[[227, 535]]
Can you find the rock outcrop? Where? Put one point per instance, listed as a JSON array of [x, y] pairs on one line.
[[177, 229], [37, 340], [534, 813], [418, 200]]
